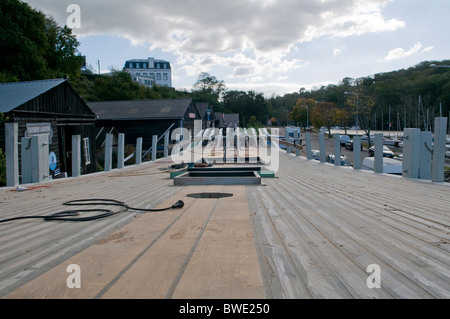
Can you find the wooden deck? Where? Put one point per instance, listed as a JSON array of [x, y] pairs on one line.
[[309, 233], [319, 227]]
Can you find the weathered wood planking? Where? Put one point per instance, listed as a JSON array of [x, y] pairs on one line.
[[309, 233], [225, 263], [28, 248], [204, 251], [329, 224]]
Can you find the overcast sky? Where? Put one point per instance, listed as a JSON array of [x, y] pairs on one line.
[[269, 46]]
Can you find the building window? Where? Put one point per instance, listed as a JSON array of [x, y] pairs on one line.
[[165, 77], [145, 65], [158, 66], [152, 75], [87, 151], [158, 76]]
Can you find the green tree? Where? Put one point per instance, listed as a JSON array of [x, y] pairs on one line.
[[209, 89], [252, 122], [324, 114], [342, 117], [120, 86], [247, 104], [207, 83], [23, 37], [302, 109], [5, 77], [62, 55], [3, 118], [37, 47], [362, 101], [280, 106]]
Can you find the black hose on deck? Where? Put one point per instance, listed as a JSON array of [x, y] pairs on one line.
[[71, 215]]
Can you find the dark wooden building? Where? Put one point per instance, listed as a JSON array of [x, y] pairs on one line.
[[51, 107], [145, 118], [231, 120], [223, 120], [206, 111]]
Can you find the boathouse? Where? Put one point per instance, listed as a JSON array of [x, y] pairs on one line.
[[51, 107]]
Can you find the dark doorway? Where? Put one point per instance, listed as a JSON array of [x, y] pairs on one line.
[[65, 133]]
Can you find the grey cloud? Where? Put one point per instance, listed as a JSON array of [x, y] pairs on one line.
[[208, 26], [243, 72]]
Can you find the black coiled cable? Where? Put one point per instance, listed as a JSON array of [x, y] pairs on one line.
[[71, 215]]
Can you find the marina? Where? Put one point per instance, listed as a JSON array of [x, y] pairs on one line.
[[312, 231], [215, 170]]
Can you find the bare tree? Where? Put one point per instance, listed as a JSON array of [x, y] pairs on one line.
[[363, 104]]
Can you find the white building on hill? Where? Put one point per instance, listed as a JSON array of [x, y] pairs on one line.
[[150, 71]]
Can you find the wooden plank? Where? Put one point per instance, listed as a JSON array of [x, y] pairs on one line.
[[153, 252], [311, 252], [333, 223], [101, 263], [309, 233], [155, 271], [348, 243], [282, 279], [28, 248], [225, 263]]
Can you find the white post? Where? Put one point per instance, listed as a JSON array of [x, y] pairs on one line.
[[166, 145], [337, 149], [297, 144], [426, 149], [308, 146], [121, 151], [108, 152], [230, 146], [154, 147], [357, 152], [252, 147], [26, 160], [323, 155], [239, 145], [139, 151], [411, 153], [440, 132], [12, 154], [76, 155], [378, 160]]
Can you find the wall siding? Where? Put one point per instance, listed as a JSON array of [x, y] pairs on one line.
[[62, 107]]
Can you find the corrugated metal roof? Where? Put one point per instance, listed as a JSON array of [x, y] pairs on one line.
[[13, 95], [141, 109]]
